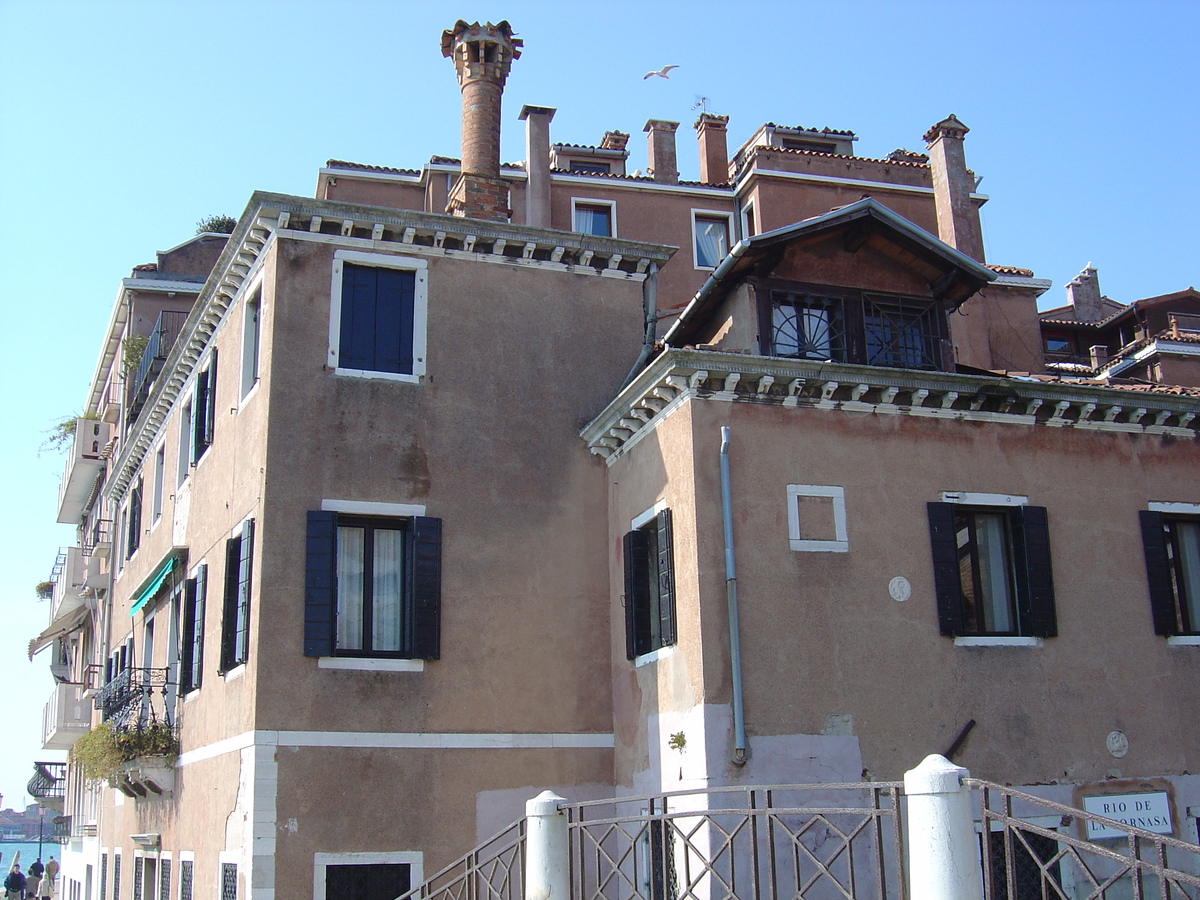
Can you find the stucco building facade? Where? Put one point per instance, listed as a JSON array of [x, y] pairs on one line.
[[412, 506]]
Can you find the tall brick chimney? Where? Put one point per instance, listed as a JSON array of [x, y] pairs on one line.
[[537, 121], [953, 184], [661, 146], [714, 150], [1083, 293], [482, 57]]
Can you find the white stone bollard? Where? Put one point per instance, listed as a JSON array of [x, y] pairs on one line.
[[547, 867], [943, 851]]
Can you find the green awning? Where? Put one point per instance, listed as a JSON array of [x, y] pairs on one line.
[[152, 586]]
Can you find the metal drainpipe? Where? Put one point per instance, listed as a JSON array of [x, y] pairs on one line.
[[740, 754], [650, 312]]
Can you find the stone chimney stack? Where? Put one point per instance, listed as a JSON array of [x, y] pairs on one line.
[[661, 145], [482, 57], [537, 164], [714, 150], [1083, 293], [953, 184]]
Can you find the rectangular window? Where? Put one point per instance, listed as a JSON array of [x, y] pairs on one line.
[[992, 570], [191, 668], [901, 334], [185, 879], [1172, 548], [374, 881], [378, 315], [710, 233], [235, 625], [164, 879], [594, 217], [251, 338], [160, 462], [139, 865], [134, 512], [372, 586], [116, 876], [103, 876], [589, 167], [649, 586], [184, 460], [204, 408], [229, 881], [807, 326]]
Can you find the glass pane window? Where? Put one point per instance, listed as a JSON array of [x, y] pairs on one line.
[[370, 587], [807, 327], [594, 219], [1184, 549], [985, 572], [900, 335], [712, 240]]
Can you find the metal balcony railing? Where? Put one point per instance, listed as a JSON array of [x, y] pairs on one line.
[[97, 537], [49, 781], [135, 698], [158, 347]]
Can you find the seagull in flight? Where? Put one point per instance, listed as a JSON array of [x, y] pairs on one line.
[[661, 73]]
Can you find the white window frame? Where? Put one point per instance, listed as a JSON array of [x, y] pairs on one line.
[[414, 859], [368, 664], [749, 209], [710, 214], [841, 542], [158, 484], [183, 464], [596, 201], [251, 340], [420, 312]]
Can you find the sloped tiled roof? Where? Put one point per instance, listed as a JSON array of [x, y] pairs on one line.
[[1011, 270], [363, 167]]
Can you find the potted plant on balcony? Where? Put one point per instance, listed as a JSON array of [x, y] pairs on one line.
[[138, 761]]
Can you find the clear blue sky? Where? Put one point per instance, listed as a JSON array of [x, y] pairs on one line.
[[124, 123]]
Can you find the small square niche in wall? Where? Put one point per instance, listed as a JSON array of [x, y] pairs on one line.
[[817, 518]]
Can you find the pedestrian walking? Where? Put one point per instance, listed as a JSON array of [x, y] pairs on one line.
[[14, 884], [33, 882]]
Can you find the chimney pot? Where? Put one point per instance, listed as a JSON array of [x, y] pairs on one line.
[[1083, 293], [714, 150], [661, 151], [953, 184], [483, 55], [537, 164]]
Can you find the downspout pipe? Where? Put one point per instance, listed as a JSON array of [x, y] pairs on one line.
[[650, 314], [740, 753]]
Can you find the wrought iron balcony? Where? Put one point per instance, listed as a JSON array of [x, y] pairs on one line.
[[158, 347], [49, 781], [136, 698]]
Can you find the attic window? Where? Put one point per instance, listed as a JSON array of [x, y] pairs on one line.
[[790, 143], [855, 327], [589, 167]]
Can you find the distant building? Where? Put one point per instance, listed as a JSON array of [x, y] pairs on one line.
[[401, 503]]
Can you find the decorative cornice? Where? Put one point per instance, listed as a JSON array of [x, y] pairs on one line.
[[268, 216], [681, 375]]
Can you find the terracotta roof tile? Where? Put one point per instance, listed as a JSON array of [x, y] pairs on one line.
[[363, 167], [810, 130], [1011, 270], [889, 162]]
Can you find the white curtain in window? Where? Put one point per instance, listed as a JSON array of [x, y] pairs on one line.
[[1188, 539], [993, 573], [350, 588], [593, 220], [712, 241], [386, 590]]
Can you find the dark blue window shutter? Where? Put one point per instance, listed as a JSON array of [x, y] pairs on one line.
[[320, 583], [377, 319], [666, 579], [1035, 577], [1158, 572], [636, 547], [423, 587], [946, 582], [233, 559], [394, 320]]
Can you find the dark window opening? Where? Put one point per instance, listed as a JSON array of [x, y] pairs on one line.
[[1172, 549], [649, 587], [1031, 855], [806, 326], [589, 167], [992, 570], [373, 586], [191, 665], [594, 219], [376, 881], [235, 625]]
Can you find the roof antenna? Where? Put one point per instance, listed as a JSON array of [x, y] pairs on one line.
[[701, 103]]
